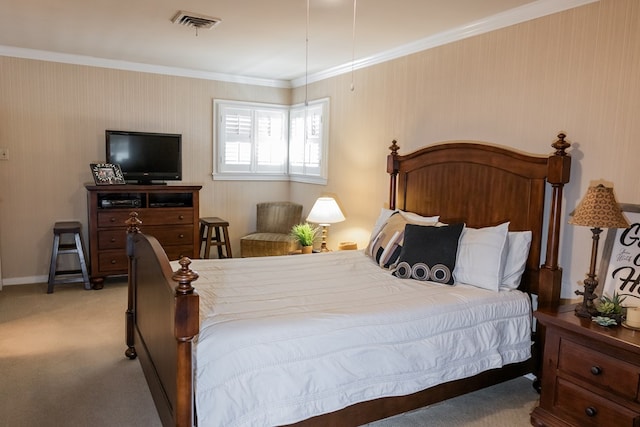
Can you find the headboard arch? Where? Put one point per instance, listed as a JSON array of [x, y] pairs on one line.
[[484, 185]]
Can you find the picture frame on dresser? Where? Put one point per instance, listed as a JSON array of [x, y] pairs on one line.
[[620, 263], [107, 174]]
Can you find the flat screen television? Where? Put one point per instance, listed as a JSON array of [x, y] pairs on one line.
[[145, 157]]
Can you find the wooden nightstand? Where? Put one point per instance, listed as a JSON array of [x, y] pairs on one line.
[[590, 373]]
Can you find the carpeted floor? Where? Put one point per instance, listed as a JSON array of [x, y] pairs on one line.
[[62, 364]]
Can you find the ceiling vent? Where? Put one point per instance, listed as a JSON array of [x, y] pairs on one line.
[[195, 20]]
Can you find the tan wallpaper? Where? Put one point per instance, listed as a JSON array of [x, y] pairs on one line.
[[575, 71]]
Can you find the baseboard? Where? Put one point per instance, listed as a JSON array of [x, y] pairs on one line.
[[28, 280]]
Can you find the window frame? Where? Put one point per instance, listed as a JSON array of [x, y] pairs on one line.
[[252, 172]]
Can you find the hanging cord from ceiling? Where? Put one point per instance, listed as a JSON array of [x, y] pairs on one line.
[[353, 46], [305, 127], [306, 64]]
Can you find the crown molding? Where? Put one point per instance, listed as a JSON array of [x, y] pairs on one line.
[[91, 61]]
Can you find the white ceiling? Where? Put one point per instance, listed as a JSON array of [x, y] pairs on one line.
[[260, 41]]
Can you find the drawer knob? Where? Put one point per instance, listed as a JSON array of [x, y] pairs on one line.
[[596, 370], [181, 236], [112, 219], [591, 411], [113, 261], [113, 239]]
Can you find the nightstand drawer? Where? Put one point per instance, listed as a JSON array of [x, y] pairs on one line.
[[588, 409], [605, 372]]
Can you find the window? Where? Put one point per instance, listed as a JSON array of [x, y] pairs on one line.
[[268, 142]]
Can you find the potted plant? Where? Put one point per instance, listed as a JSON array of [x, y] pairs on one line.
[[305, 234], [611, 307]]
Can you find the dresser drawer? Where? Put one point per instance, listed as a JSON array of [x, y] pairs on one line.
[[112, 239], [113, 218], [604, 372], [586, 408], [113, 261], [169, 216], [176, 235], [173, 216]]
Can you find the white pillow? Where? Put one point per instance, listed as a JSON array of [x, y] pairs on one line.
[[482, 254], [416, 219], [519, 245]]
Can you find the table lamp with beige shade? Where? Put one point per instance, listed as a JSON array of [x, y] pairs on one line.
[[597, 210]]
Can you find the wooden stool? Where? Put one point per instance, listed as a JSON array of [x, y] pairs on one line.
[[207, 226], [60, 248]]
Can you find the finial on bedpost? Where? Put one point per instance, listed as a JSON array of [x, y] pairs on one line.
[[392, 170], [184, 276], [394, 147], [561, 145], [133, 223]]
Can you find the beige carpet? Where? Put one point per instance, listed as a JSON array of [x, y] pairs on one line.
[[62, 364]]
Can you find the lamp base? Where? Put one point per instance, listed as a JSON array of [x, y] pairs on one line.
[[587, 308], [586, 312], [323, 246]]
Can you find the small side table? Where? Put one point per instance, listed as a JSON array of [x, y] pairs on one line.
[[590, 373]]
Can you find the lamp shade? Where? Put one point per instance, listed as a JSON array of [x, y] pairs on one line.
[[325, 211], [599, 209]]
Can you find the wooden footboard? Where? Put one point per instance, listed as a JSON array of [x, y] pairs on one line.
[[162, 320]]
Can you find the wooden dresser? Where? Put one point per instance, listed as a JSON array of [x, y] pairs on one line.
[[590, 373], [170, 213]]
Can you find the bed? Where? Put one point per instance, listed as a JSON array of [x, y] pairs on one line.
[[496, 189]]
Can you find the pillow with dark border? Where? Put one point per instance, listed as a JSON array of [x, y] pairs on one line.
[[390, 220], [429, 253], [386, 247]]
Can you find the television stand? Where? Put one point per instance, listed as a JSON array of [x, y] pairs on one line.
[[170, 213]]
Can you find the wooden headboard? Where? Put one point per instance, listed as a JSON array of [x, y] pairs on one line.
[[485, 185]]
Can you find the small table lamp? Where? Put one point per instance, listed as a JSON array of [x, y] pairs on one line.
[[325, 212], [598, 209]]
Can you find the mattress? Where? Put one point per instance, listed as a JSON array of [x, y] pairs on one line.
[[286, 338]]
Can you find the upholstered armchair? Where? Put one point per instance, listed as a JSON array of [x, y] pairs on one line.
[[272, 235]]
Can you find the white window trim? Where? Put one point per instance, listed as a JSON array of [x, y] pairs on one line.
[[217, 174]]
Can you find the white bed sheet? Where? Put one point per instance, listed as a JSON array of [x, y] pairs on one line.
[[291, 337]]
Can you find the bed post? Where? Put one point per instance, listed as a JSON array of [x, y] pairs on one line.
[[186, 328], [392, 169], [558, 172], [133, 227]]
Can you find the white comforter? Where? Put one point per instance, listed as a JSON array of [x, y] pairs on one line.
[[286, 338]]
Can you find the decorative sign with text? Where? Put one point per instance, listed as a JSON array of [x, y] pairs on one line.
[[621, 260]]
